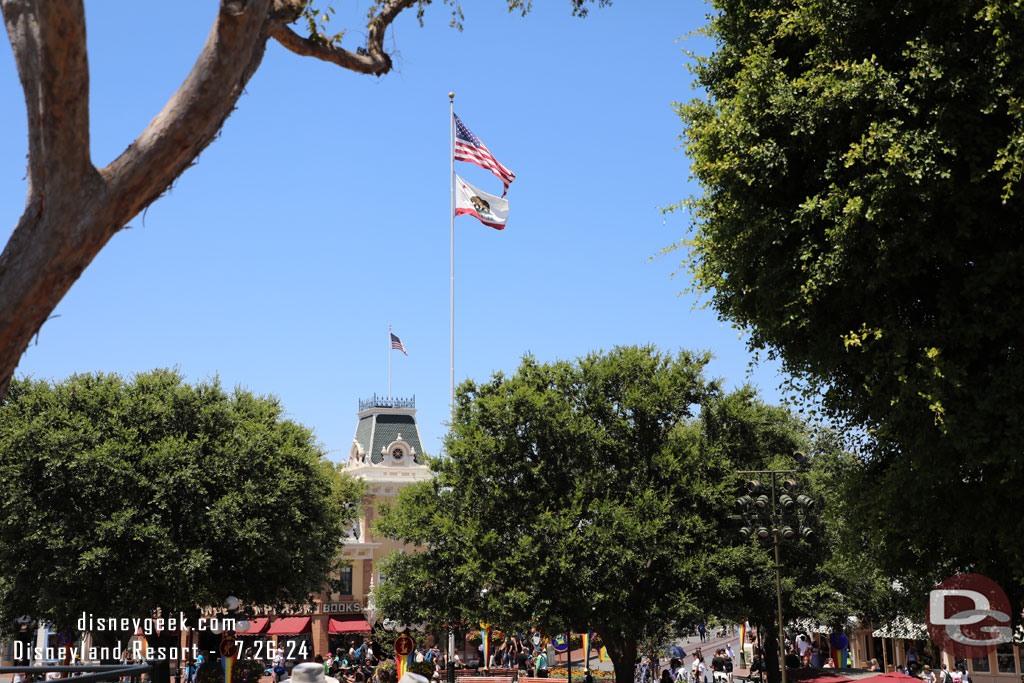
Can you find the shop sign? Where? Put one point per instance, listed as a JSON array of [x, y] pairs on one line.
[[350, 607], [342, 607]]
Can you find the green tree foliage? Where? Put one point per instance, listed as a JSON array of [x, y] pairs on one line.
[[568, 499], [827, 579], [123, 496], [860, 220], [601, 492]]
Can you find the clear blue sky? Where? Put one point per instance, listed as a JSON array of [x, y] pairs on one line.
[[321, 213]]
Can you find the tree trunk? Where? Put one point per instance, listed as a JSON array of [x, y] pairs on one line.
[[73, 208], [770, 644], [622, 650]]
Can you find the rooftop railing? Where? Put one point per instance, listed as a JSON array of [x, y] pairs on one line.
[[387, 402]]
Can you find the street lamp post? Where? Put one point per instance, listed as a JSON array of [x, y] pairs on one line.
[[451, 653], [762, 500]]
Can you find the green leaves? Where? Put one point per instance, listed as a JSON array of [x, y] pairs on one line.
[[571, 491], [129, 495], [858, 219]]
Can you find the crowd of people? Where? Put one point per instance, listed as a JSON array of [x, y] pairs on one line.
[[718, 670], [356, 664]]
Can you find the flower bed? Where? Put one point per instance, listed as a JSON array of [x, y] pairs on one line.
[[578, 673]]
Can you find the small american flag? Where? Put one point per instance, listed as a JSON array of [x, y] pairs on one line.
[[469, 148], [396, 343]]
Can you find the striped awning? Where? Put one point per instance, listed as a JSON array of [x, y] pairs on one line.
[[805, 625], [902, 627]]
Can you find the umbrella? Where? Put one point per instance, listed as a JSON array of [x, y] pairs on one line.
[[820, 676], [676, 651], [894, 677]]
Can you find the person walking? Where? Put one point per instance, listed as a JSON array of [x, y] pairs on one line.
[[540, 663], [676, 670], [718, 666], [698, 671]]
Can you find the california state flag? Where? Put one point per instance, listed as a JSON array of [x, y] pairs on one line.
[[488, 209]]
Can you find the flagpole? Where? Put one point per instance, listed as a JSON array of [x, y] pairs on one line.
[[451, 157], [389, 361]]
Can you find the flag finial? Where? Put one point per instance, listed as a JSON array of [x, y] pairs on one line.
[[451, 96]]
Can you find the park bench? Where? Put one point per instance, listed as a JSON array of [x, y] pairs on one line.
[[530, 679]]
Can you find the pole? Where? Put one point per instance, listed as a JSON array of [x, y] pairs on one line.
[[389, 361], [568, 655], [451, 370], [451, 157], [778, 584], [451, 654]]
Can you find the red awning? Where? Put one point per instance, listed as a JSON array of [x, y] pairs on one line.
[[256, 626], [289, 626], [349, 623]]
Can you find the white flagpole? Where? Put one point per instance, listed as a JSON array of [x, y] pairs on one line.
[[451, 376], [451, 156], [389, 361]]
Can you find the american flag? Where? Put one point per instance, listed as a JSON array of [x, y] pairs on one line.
[[396, 343], [469, 148]]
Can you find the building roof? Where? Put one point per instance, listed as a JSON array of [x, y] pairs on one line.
[[387, 430], [364, 429], [381, 423]]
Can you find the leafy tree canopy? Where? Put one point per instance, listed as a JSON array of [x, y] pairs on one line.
[[861, 220], [126, 495], [826, 579], [599, 493], [567, 496]]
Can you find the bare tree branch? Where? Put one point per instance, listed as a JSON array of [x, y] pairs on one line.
[[72, 209], [375, 61], [328, 53], [193, 116], [379, 25], [48, 40]]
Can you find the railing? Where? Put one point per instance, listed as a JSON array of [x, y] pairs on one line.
[[159, 671], [387, 402]]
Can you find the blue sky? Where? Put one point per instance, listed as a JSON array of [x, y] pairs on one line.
[[321, 214]]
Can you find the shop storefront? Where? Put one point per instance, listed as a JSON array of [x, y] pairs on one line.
[[905, 641], [294, 635], [347, 631]]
